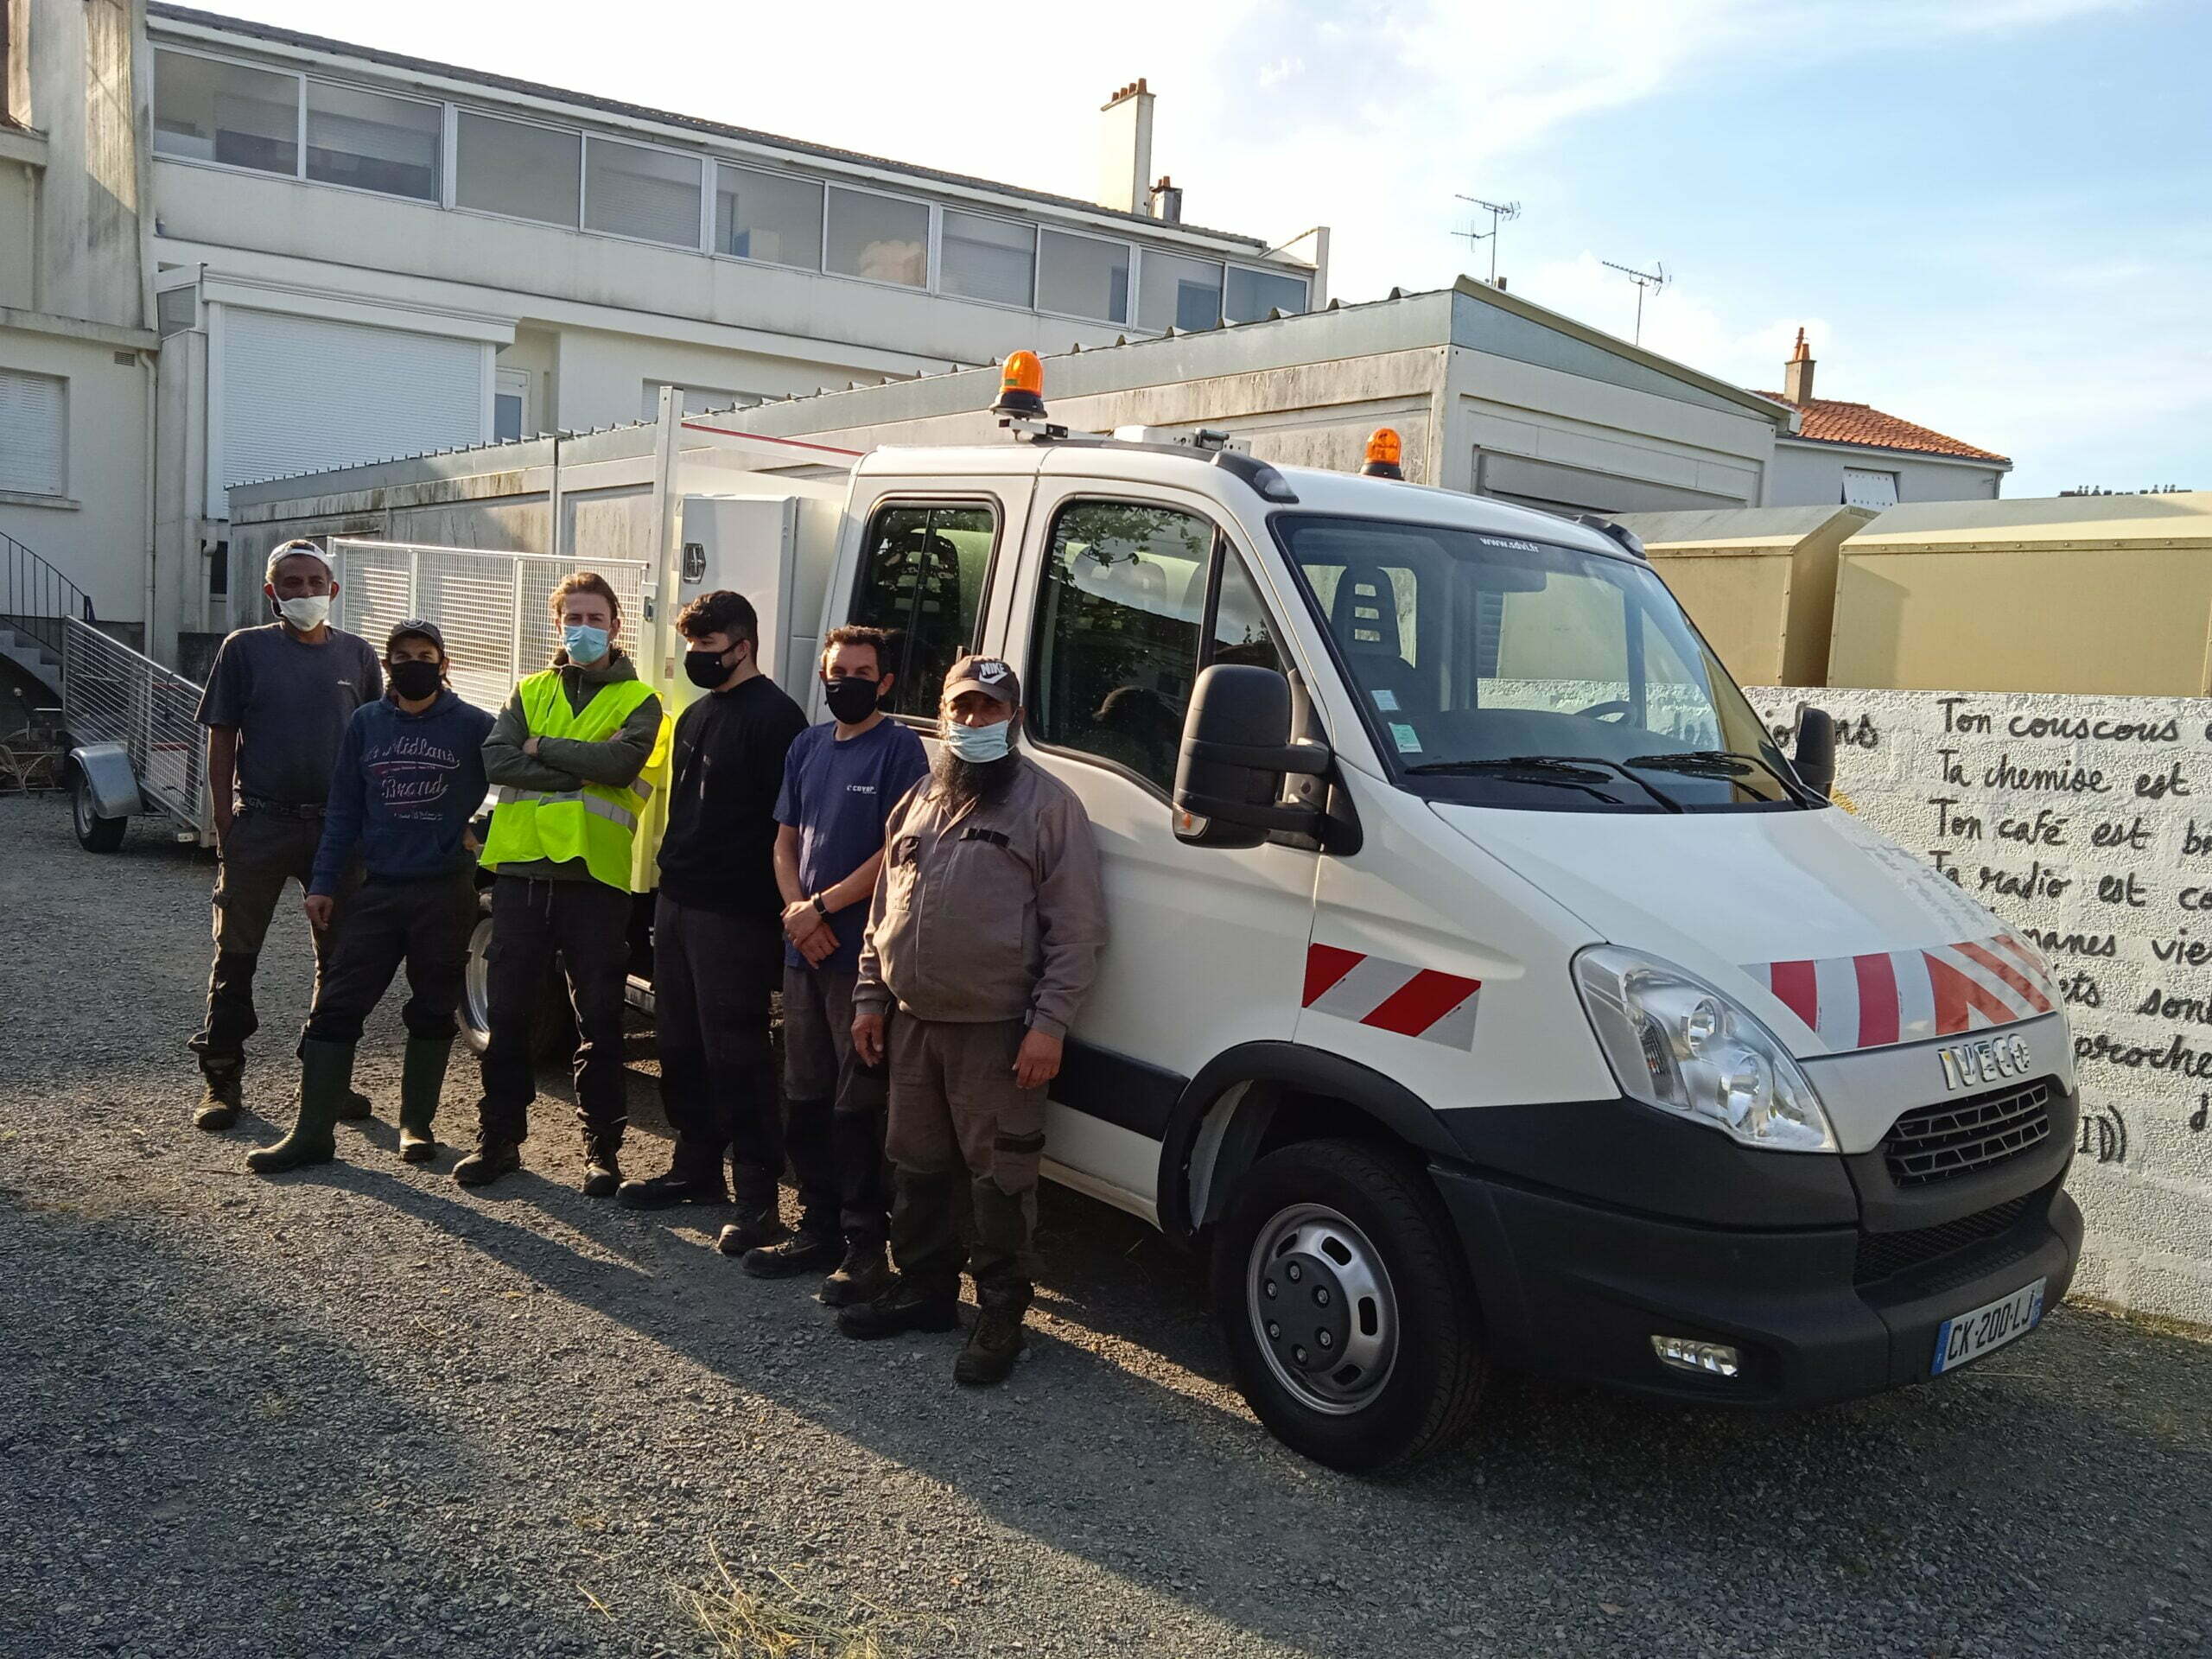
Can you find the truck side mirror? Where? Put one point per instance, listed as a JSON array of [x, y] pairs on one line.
[[1236, 751], [1816, 756]]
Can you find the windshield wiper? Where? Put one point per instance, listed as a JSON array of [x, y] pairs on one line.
[[1564, 772], [1718, 763]]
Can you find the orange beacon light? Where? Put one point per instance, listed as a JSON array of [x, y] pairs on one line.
[[1021, 387], [1383, 452]]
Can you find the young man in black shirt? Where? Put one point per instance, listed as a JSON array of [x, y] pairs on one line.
[[718, 936]]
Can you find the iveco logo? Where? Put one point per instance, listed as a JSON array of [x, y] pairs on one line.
[[1991, 1060]]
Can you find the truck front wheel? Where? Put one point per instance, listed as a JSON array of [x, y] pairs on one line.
[[553, 1029], [1349, 1312]]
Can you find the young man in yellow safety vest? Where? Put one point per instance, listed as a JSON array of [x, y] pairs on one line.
[[573, 759]]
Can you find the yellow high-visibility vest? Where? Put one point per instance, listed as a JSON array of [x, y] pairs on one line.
[[593, 822]]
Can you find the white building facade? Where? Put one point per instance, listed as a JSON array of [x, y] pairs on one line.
[[362, 255], [77, 348]]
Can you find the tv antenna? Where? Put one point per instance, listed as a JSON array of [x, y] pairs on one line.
[[1499, 212], [1652, 280]]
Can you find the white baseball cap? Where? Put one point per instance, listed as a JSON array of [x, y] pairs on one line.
[[295, 549]]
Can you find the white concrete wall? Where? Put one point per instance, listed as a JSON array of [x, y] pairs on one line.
[[96, 532], [2088, 821], [385, 248], [1812, 475], [1635, 449]]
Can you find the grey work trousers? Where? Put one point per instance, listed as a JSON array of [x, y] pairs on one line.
[[263, 851], [964, 1136]]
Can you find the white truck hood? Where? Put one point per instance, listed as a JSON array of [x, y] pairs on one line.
[[1833, 934]]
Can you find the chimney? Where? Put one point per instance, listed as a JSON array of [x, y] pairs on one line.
[[1164, 202], [1125, 148], [1797, 372]]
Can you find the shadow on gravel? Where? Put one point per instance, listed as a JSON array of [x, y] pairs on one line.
[[1557, 1490], [206, 1470]]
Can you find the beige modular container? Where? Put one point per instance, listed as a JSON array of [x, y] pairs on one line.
[[1759, 581], [2108, 594]]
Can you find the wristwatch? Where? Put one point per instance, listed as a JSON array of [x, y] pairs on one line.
[[821, 909]]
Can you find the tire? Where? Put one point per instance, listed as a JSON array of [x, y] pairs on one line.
[[1358, 1235], [553, 1027], [94, 833], [475, 981]]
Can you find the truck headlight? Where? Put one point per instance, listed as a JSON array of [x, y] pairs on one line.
[[1676, 1043]]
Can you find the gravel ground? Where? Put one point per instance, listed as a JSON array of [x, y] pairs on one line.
[[356, 1410]]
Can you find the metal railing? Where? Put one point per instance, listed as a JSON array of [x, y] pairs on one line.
[[111, 694], [35, 599], [493, 608]]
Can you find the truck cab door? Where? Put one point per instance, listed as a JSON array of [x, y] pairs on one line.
[[1126, 593]]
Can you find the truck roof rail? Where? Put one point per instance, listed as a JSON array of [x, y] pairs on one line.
[[1264, 480], [1629, 540]]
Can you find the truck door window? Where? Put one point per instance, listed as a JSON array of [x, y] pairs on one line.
[[1119, 614], [1240, 632], [923, 567], [1135, 600]]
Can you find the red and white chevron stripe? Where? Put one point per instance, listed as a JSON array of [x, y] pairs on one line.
[[1396, 996], [1906, 996]]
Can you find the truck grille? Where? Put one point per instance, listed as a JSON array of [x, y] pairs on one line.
[[1881, 1255], [1957, 1137]]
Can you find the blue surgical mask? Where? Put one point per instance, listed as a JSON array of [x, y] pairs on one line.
[[978, 745], [584, 645]]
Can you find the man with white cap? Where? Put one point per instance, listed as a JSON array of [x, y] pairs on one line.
[[277, 708]]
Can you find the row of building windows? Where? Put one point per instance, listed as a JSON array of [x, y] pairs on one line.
[[271, 121]]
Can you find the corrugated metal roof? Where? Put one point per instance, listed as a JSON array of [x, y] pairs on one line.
[[644, 112]]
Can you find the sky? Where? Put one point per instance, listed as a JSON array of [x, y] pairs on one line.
[[1991, 217]]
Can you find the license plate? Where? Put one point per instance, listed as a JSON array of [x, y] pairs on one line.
[[1971, 1335]]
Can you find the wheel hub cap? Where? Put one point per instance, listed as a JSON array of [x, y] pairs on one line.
[[1321, 1304]]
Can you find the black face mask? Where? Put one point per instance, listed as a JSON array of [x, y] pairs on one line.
[[415, 680], [850, 700], [706, 668]]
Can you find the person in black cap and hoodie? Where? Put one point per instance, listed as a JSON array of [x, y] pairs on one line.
[[409, 778]]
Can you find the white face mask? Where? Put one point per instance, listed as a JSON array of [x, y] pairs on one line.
[[307, 612]]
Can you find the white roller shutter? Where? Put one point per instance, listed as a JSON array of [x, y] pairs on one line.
[[303, 393], [1863, 488], [33, 433]]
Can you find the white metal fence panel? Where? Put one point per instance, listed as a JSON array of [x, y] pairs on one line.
[[493, 608]]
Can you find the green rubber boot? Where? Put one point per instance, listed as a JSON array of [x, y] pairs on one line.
[[421, 1076], [326, 1078]]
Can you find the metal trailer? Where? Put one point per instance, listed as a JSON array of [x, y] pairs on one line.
[[134, 742]]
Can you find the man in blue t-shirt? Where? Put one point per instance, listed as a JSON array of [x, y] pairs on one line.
[[842, 779]]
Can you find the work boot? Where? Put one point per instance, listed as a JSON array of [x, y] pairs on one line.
[[325, 1070], [863, 1277], [749, 1233], [994, 1345], [804, 1251], [495, 1156], [904, 1307], [422, 1077], [222, 1097], [688, 1180], [602, 1166]]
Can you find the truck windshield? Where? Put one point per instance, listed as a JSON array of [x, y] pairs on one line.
[[1499, 671]]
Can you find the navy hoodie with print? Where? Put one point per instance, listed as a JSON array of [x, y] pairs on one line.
[[404, 788]]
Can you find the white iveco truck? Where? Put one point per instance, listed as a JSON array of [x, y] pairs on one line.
[[1485, 987]]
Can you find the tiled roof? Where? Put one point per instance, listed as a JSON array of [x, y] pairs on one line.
[[1824, 420]]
